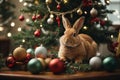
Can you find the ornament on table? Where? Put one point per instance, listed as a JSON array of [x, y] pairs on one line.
[[41, 52], [109, 64], [34, 17], [95, 62], [34, 66], [50, 20], [28, 58], [10, 61], [30, 51], [48, 1], [47, 61], [79, 12], [56, 66], [42, 62], [37, 33], [21, 17], [112, 46], [19, 53], [93, 12]]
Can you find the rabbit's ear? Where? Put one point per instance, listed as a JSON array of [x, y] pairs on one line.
[[66, 22], [78, 24]]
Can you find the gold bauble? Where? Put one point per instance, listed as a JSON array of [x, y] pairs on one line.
[[79, 11], [65, 1], [47, 61], [42, 62], [48, 1], [19, 54]]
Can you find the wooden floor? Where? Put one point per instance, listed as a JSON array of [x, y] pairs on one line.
[[6, 74]]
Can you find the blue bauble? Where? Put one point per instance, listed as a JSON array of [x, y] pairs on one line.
[[34, 66], [109, 63], [31, 51]]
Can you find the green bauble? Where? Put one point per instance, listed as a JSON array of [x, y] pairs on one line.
[[109, 64], [34, 66]]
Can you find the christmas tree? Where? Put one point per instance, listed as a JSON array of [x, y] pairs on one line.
[[6, 16], [44, 25]]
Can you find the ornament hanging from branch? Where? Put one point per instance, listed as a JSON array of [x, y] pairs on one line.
[[107, 2], [93, 12]]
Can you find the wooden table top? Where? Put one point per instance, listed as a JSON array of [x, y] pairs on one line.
[[6, 74]]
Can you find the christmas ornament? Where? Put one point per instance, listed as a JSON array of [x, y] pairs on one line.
[[58, 20], [21, 17], [50, 21], [34, 66], [58, 7], [19, 53], [36, 2], [109, 63], [38, 16], [42, 62], [34, 17], [95, 20], [41, 52], [87, 3], [79, 12], [56, 66], [48, 1], [102, 22], [65, 1], [31, 52], [95, 62], [37, 33], [10, 62], [93, 12], [107, 2], [112, 46], [47, 61], [28, 57]]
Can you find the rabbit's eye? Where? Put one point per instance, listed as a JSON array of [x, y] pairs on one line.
[[74, 34]]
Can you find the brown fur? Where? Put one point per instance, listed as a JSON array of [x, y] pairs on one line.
[[76, 46]]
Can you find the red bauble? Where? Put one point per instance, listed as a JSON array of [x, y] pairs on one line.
[[58, 20], [28, 57], [34, 17], [10, 61], [58, 7], [112, 46], [37, 33], [56, 66], [38, 16], [102, 23], [21, 18]]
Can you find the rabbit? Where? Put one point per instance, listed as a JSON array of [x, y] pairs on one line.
[[75, 46]]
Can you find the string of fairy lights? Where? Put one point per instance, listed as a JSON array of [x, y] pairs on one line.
[[52, 13]]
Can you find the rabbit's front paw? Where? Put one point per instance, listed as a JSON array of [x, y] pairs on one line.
[[78, 61], [63, 58]]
